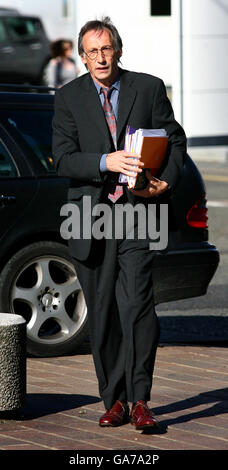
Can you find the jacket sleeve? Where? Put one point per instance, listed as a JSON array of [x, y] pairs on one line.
[[163, 118], [68, 158]]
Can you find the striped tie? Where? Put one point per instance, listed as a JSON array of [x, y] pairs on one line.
[[117, 190]]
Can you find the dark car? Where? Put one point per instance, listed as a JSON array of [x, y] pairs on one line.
[[24, 48], [37, 278]]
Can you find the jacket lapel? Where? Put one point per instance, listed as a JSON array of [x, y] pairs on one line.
[[126, 100]]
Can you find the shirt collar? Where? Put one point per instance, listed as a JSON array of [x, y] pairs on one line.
[[116, 84]]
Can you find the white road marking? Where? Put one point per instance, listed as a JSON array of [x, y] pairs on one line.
[[217, 203], [219, 178]]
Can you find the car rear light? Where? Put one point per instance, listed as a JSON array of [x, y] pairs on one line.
[[197, 215]]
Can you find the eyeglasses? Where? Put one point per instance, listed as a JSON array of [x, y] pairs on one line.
[[107, 51]]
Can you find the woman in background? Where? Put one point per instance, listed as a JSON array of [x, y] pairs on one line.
[[61, 68]]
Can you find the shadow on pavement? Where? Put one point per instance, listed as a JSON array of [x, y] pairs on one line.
[[42, 404], [219, 398], [195, 329]]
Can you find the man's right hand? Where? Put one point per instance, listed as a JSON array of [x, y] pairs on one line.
[[127, 163]]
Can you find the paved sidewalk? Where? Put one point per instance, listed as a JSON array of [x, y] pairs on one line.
[[189, 398]]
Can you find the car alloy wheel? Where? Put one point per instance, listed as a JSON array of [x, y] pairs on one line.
[[45, 290]]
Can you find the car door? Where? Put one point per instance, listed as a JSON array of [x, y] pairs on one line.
[[17, 187]]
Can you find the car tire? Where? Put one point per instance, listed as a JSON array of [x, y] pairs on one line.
[[39, 282]]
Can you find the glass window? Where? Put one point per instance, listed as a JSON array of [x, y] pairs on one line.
[[21, 28], [35, 127], [7, 167], [65, 8], [2, 32], [160, 7]]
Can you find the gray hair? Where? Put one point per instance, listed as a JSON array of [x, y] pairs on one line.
[[100, 25]]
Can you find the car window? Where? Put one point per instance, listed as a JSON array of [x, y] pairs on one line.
[[35, 127], [7, 167], [22, 28], [2, 32]]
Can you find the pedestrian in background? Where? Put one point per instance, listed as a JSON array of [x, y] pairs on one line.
[[61, 68]]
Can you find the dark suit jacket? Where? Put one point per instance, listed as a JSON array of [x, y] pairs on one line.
[[81, 135]]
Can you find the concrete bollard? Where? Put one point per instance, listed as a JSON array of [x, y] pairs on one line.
[[12, 362]]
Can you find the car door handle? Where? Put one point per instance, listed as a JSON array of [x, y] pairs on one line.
[[7, 199], [7, 50], [36, 46]]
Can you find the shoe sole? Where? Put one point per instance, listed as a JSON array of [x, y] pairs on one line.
[[109, 425], [125, 421], [146, 426]]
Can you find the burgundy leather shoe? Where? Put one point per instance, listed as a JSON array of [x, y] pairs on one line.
[[116, 416], [142, 417]]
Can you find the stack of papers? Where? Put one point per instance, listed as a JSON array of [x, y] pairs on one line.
[[151, 144]]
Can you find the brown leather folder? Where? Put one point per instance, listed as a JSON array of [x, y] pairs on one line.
[[153, 151]]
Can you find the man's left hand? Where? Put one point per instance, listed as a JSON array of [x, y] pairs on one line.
[[155, 187]]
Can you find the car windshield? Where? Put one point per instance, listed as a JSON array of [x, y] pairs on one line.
[[35, 127], [22, 28]]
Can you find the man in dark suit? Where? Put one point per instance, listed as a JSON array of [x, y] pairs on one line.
[[91, 114]]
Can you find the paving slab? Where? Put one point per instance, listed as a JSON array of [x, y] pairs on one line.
[[189, 398]]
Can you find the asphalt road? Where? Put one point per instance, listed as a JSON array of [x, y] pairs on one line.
[[205, 319]]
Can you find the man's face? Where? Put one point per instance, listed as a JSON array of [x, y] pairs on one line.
[[103, 68]]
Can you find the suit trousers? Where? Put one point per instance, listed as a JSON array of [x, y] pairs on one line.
[[116, 280]]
